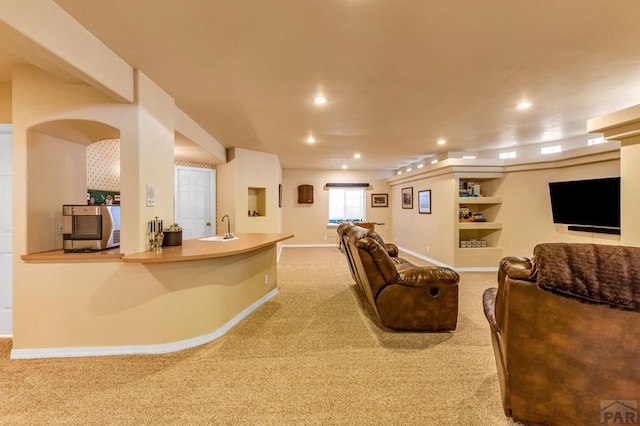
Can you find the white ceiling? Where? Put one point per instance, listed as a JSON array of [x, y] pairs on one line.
[[399, 75]]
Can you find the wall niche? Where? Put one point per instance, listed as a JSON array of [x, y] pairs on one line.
[[257, 202]]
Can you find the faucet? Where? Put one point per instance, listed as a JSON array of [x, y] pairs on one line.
[[228, 235]]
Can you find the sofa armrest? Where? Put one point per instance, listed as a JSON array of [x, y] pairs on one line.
[[513, 273], [423, 276], [392, 249], [517, 268], [489, 305]]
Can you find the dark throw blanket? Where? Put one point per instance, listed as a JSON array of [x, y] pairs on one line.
[[592, 273]]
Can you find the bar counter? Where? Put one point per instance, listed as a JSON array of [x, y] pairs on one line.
[[196, 250], [106, 303], [189, 250]]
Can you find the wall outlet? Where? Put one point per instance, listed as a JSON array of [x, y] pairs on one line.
[[266, 278], [59, 230]]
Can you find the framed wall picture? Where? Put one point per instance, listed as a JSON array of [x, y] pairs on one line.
[[379, 200], [424, 201], [407, 198]]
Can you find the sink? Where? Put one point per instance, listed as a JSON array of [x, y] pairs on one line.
[[217, 238]]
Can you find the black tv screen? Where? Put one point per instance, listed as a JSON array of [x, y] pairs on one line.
[[592, 202]]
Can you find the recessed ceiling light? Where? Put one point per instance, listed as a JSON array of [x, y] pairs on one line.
[[310, 139], [442, 142], [344, 166], [409, 169], [356, 155], [399, 172], [421, 165], [524, 105], [434, 161], [320, 100]]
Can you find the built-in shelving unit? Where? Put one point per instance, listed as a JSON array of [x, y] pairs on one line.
[[478, 242]]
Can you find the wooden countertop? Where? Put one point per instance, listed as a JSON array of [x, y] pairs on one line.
[[194, 249], [60, 255], [189, 250]]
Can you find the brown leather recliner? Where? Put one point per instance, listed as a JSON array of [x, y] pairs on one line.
[[565, 327], [403, 296]]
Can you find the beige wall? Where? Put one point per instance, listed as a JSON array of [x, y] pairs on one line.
[[248, 169], [431, 235], [630, 161], [110, 303], [26, 30], [101, 304], [309, 222], [5, 102], [526, 208], [525, 212], [56, 176]]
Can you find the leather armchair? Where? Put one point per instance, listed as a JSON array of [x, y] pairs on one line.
[[403, 296], [565, 329]]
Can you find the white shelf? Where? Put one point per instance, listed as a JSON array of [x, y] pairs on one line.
[[479, 200], [479, 225]]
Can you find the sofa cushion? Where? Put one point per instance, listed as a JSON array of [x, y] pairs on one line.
[[592, 273], [379, 267]]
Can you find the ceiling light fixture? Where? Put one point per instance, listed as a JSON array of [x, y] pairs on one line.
[[310, 139], [524, 105], [421, 165], [344, 166], [356, 156], [442, 142], [409, 169], [320, 100]]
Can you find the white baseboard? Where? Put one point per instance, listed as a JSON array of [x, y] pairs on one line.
[[425, 258], [412, 253], [309, 245], [478, 269], [435, 262], [141, 349]]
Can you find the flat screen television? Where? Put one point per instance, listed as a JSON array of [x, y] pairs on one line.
[[592, 204]]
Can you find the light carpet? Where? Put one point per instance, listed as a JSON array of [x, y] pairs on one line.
[[313, 355]]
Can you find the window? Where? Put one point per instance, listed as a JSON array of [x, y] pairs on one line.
[[550, 149], [346, 204], [596, 141], [506, 155]]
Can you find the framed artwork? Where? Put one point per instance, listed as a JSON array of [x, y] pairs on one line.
[[407, 198], [424, 201], [379, 200]]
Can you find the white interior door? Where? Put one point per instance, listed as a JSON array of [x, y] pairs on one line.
[[195, 198], [6, 277]]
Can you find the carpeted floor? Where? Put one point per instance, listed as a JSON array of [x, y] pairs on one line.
[[313, 355]]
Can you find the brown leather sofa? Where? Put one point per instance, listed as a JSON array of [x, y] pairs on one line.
[[404, 296], [565, 327]]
